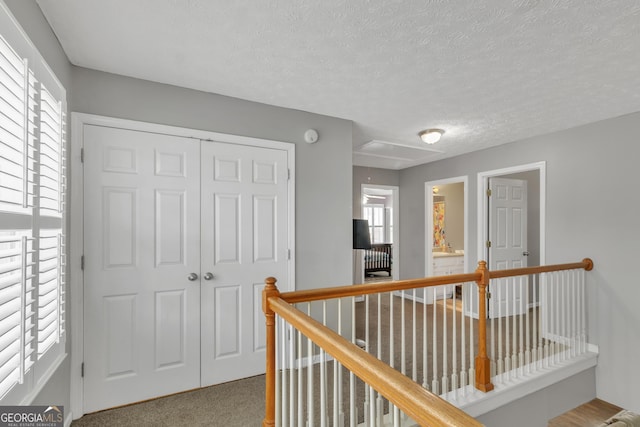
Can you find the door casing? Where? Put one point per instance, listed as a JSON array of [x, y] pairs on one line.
[[76, 215]]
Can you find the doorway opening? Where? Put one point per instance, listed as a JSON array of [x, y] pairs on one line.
[[511, 222], [446, 230], [380, 208]]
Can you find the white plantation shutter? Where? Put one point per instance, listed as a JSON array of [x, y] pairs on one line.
[[51, 154], [49, 289], [17, 115], [32, 207], [17, 323]]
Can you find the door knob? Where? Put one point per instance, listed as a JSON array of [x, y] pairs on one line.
[[208, 276], [192, 277], [525, 253]]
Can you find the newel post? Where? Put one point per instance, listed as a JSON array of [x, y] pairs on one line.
[[483, 363], [270, 290]]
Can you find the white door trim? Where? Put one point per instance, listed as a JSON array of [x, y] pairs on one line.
[[395, 196], [76, 232], [483, 206], [428, 224]]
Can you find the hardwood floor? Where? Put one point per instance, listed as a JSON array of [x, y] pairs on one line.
[[591, 414]]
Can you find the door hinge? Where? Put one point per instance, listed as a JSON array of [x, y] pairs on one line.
[[488, 192], [488, 243], [82, 262], [82, 370], [488, 295], [82, 155], [288, 174], [289, 254]]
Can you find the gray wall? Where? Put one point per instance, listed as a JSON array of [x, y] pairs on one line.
[[590, 170], [28, 14], [536, 409], [323, 201]]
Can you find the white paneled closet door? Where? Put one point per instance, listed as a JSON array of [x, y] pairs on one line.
[[244, 240], [142, 223], [179, 235]]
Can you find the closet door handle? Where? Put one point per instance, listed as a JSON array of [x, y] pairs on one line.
[[192, 277], [208, 276]]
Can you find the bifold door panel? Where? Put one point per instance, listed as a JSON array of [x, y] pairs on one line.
[[179, 235]]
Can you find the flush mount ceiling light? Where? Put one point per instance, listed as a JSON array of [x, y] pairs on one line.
[[431, 136]]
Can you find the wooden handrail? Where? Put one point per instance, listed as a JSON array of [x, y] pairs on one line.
[[422, 406], [374, 288], [379, 287], [586, 263]]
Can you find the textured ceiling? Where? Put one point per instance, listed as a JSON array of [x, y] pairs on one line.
[[487, 71]]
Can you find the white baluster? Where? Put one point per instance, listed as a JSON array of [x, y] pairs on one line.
[[463, 342], [310, 397], [292, 388], [534, 320], [391, 332], [563, 309], [537, 300], [583, 308], [454, 368], [278, 363], [508, 366], [300, 381], [445, 356], [499, 304], [392, 408], [323, 374], [521, 317], [425, 361], [367, 403], [434, 383], [558, 329], [527, 354], [403, 345], [414, 362], [379, 403], [338, 419], [353, 418]]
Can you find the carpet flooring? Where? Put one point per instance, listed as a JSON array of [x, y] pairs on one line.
[[234, 404]]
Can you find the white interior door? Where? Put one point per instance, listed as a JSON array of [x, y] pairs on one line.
[[179, 237], [141, 239], [244, 240], [508, 237]]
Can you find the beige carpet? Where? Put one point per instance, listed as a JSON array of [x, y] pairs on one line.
[[237, 403]]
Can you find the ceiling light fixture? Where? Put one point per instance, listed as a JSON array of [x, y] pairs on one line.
[[431, 136]]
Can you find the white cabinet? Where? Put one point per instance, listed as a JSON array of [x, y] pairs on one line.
[[447, 264]]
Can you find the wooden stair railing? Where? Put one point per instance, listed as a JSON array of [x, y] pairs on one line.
[[423, 406], [420, 404]]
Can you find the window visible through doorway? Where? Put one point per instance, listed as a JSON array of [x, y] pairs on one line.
[[380, 223]]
